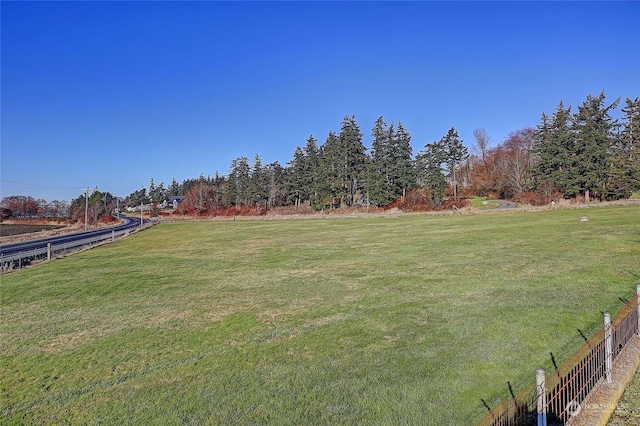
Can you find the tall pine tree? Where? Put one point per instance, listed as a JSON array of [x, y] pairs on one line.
[[275, 185], [329, 183], [554, 146], [351, 161], [259, 193], [594, 132], [238, 187], [402, 163], [391, 170], [302, 182], [624, 173], [378, 173], [312, 162], [429, 171], [296, 175], [454, 153]]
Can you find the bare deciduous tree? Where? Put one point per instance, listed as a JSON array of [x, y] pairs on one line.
[[481, 145]]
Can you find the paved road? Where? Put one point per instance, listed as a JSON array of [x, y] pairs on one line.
[[506, 205], [14, 248]]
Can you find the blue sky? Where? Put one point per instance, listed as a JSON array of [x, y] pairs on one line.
[[112, 94]]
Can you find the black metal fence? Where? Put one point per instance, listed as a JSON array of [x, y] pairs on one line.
[[557, 398]]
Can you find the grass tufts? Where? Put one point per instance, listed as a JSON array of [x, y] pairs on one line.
[[412, 320]]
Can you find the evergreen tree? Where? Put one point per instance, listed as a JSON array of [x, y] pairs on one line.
[[218, 179], [555, 148], [157, 193], [296, 177], [239, 182], [391, 170], [152, 190], [429, 171], [186, 185], [378, 191], [135, 198], [276, 191], [302, 182], [312, 164], [594, 132], [174, 188], [402, 164], [258, 191], [454, 153], [624, 174], [330, 184], [351, 161]]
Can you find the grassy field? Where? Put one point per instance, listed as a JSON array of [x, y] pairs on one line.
[[408, 320], [483, 203]]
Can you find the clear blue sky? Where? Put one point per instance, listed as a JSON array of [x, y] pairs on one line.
[[112, 94]]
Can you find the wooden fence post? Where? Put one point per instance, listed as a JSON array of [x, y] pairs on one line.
[[608, 347], [541, 393]]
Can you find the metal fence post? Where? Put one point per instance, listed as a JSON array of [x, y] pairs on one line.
[[638, 302], [608, 348], [48, 252], [541, 393]]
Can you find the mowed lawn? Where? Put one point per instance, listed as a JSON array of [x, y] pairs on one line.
[[378, 320]]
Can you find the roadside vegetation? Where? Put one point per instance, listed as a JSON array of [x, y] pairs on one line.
[[378, 320], [628, 410]]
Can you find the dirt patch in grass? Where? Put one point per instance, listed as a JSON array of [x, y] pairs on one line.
[[12, 231], [18, 230], [9, 230]]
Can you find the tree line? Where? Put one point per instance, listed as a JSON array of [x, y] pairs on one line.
[[341, 172], [583, 153], [95, 205], [24, 206]]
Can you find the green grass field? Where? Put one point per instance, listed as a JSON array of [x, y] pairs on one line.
[[483, 203], [379, 320]]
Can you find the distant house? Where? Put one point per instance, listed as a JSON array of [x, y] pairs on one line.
[[140, 208], [173, 202]]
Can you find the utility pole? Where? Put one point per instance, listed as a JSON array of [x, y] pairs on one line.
[[86, 208]]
